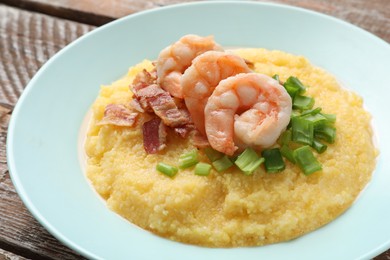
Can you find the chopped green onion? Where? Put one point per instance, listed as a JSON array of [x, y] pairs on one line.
[[222, 164], [294, 86], [306, 160], [250, 168], [303, 102], [188, 159], [233, 158], [166, 169], [326, 133], [330, 117], [202, 169], [248, 161], [317, 119], [318, 146], [302, 130], [212, 154], [295, 113], [273, 160], [312, 112], [285, 137], [276, 77], [287, 153]]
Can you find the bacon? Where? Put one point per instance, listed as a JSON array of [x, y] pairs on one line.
[[119, 115], [183, 131], [162, 104], [150, 97], [154, 133], [134, 103], [200, 140], [171, 112], [165, 108], [144, 79]]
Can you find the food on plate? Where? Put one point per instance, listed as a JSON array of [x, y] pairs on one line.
[[176, 58], [280, 149], [202, 77], [249, 109]]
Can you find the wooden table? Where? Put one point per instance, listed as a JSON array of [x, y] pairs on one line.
[[31, 31]]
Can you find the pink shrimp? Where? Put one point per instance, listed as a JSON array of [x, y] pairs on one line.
[[200, 80], [246, 110], [176, 58]]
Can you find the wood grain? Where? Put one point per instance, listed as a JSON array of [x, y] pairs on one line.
[[5, 255], [373, 15], [28, 39]]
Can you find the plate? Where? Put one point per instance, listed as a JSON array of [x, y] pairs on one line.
[[44, 129]]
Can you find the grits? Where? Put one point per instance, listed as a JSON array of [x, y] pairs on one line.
[[230, 209]]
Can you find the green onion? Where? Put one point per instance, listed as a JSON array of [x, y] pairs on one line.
[[287, 153], [317, 119], [294, 86], [285, 137], [302, 130], [166, 169], [273, 160], [312, 112], [202, 169], [318, 146], [330, 117], [250, 168], [248, 161], [276, 77], [326, 133], [233, 158], [295, 113], [222, 164], [212, 154], [303, 102], [306, 160], [188, 159]]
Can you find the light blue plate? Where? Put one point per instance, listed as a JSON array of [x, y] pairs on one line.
[[43, 132]]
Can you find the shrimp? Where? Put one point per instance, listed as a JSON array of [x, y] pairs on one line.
[[199, 81], [246, 110], [176, 58]]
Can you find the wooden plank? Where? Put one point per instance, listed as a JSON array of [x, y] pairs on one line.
[[373, 15], [5, 255], [27, 40]]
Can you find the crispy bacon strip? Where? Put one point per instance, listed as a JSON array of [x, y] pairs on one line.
[[119, 115], [183, 131], [144, 79], [171, 112], [165, 108], [143, 96], [200, 140], [151, 97], [162, 104], [134, 103], [154, 133]]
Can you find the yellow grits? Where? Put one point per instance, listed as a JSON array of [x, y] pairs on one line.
[[230, 209]]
